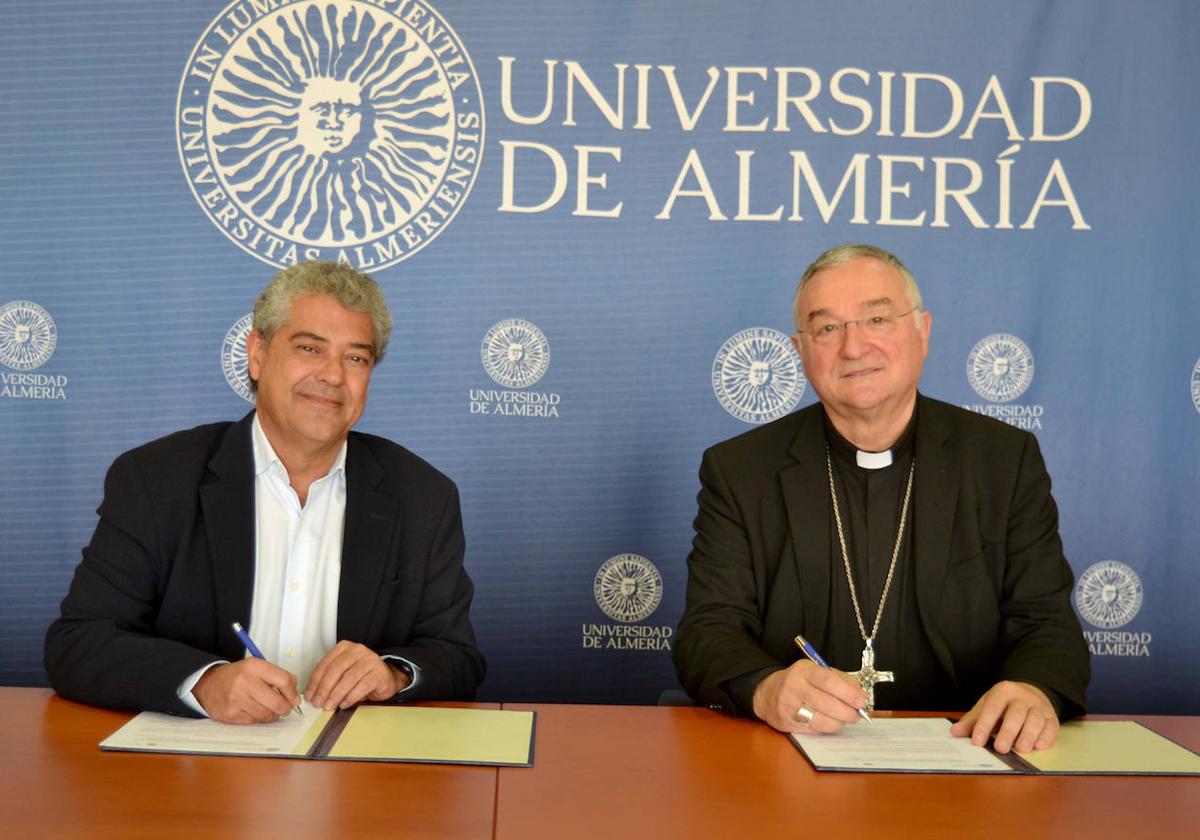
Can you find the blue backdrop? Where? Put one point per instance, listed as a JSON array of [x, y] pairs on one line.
[[589, 219]]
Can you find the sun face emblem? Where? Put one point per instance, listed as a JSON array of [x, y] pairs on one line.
[[515, 353], [1000, 367], [329, 117], [756, 375], [320, 127], [28, 335], [1108, 594], [628, 587]]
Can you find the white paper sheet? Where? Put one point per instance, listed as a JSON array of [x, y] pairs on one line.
[[165, 733], [913, 745]]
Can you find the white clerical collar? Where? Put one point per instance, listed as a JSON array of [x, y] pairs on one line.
[[873, 460]]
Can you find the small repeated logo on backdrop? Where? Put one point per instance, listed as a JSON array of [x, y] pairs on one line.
[[1000, 368], [233, 357], [28, 336], [1195, 383], [628, 589], [314, 129], [1109, 595], [756, 375], [516, 355]]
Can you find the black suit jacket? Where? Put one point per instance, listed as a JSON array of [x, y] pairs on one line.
[[171, 566], [992, 585]]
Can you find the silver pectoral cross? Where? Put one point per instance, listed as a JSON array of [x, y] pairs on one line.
[[867, 676]]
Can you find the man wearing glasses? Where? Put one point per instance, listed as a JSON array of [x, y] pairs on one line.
[[914, 544]]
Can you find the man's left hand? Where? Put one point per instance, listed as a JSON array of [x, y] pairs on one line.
[[1022, 713], [351, 673]]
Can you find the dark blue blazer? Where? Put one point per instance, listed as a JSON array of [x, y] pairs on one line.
[[171, 566]]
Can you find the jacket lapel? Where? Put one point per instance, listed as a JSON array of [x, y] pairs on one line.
[[806, 497], [936, 497], [370, 518], [227, 504]]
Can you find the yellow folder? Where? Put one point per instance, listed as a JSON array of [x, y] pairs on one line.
[[1113, 746]]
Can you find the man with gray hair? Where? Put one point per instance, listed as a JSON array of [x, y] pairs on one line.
[[913, 543], [341, 552]]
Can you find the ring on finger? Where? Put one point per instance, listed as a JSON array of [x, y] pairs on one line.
[[804, 715]]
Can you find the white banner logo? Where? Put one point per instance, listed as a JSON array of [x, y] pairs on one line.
[[756, 375], [1000, 367], [628, 587], [1108, 594], [330, 130], [28, 335], [233, 357], [1195, 384], [515, 353]]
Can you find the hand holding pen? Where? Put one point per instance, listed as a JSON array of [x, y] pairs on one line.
[[808, 696], [253, 650], [250, 690], [811, 652]]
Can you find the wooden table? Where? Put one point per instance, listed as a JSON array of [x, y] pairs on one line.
[[611, 772], [58, 784], [644, 772]]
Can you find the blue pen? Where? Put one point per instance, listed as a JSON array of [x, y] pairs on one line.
[[811, 652], [248, 643]]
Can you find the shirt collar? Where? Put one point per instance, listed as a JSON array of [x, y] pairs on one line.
[[265, 459], [849, 453]]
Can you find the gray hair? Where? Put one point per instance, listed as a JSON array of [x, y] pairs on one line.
[[350, 287], [840, 254]]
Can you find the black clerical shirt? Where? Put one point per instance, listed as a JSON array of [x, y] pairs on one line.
[[870, 501]]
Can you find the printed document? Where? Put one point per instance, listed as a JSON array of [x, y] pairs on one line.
[[906, 745]]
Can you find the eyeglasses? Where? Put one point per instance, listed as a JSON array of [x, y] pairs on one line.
[[830, 331]]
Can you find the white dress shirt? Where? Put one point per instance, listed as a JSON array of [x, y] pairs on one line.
[[298, 562], [297, 569]]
